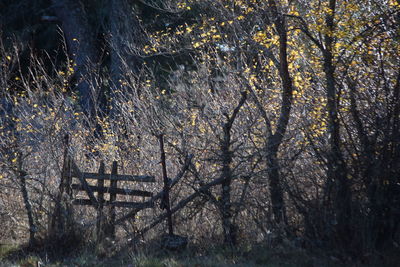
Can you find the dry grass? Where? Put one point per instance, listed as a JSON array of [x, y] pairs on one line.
[[259, 255]]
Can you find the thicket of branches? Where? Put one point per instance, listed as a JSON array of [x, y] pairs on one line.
[[290, 110]]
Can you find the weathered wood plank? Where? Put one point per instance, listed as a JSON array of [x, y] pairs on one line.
[[165, 200], [111, 190], [113, 197], [74, 169], [119, 177], [84, 184], [100, 197], [134, 205], [121, 204]]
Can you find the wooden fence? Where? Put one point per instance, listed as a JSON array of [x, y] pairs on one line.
[[102, 196], [97, 194]]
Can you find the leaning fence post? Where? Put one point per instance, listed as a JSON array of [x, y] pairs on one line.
[[100, 197]]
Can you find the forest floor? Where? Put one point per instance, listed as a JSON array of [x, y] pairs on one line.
[[259, 255]]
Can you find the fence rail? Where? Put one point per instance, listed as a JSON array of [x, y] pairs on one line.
[[119, 204], [119, 177], [112, 190]]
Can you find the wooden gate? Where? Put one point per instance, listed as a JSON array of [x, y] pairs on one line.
[[79, 181]]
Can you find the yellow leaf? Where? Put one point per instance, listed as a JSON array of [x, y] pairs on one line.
[[197, 164], [197, 44]]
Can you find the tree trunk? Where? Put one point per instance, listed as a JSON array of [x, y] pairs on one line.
[[275, 140], [125, 39], [337, 174], [226, 207], [81, 47], [228, 227]]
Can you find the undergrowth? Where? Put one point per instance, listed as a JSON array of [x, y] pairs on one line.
[[154, 256]]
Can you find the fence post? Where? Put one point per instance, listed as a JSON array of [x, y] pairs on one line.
[[68, 177], [165, 200], [100, 197], [113, 197], [64, 173], [69, 210], [59, 220]]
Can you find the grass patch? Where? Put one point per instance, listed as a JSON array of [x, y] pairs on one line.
[[152, 256], [7, 249], [219, 256]]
